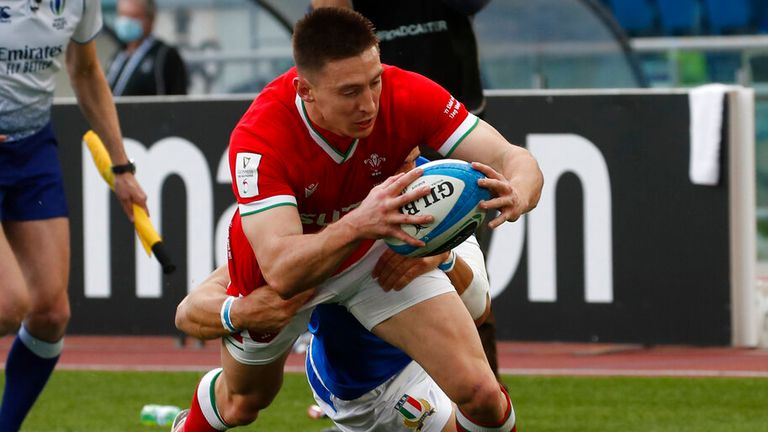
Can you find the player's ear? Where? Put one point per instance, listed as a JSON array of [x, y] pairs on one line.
[[303, 89]]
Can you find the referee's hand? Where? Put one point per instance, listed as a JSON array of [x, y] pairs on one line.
[[3, 138], [129, 192]]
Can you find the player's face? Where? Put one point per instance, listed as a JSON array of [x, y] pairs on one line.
[[345, 94]]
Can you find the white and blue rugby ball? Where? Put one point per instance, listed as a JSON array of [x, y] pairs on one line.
[[453, 202]]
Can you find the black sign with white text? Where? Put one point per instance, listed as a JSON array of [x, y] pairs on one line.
[[622, 247]]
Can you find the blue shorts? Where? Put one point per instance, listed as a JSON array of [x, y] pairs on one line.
[[31, 183]]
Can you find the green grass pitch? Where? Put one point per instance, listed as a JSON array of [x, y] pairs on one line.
[[111, 401]]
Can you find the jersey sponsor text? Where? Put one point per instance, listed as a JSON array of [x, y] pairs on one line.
[[323, 219]]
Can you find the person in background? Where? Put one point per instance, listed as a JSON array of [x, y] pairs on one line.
[[146, 66], [34, 239], [434, 38]]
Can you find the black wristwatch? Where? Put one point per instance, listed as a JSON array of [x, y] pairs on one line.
[[130, 167]]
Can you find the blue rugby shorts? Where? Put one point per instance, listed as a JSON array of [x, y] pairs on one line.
[[31, 183]]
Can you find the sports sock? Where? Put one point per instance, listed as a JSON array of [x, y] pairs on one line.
[[203, 414], [27, 369], [506, 424]]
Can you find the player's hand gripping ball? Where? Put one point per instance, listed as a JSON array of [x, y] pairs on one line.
[[453, 202]]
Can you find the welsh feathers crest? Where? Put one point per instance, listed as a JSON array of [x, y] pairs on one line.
[[375, 163]]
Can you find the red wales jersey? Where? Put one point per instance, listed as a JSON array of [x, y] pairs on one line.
[[278, 157]]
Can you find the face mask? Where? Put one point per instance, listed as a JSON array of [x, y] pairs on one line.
[[128, 29]]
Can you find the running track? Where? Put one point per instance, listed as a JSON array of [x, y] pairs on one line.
[[517, 358]]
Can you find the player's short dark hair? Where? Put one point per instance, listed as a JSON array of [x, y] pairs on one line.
[[328, 34]]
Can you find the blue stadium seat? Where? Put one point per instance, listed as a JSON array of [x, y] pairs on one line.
[[728, 16], [679, 17], [760, 15], [636, 17], [723, 67]]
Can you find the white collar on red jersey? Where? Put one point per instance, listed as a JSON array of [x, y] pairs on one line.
[[335, 154]]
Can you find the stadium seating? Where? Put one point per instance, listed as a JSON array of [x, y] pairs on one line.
[[760, 15], [636, 17], [689, 17], [728, 16], [679, 17]]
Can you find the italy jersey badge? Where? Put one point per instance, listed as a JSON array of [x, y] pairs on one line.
[[414, 411]]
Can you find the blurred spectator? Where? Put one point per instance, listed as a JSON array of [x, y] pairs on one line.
[[147, 65]]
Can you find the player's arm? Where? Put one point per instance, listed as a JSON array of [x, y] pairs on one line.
[[199, 314], [292, 262], [95, 100], [513, 174]]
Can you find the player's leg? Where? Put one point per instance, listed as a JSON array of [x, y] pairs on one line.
[[249, 379], [487, 332], [14, 299], [233, 395], [245, 390], [408, 401], [439, 334], [42, 250]]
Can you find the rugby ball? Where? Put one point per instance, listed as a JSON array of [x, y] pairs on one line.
[[453, 202]]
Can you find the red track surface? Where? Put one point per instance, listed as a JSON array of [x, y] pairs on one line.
[[520, 358]]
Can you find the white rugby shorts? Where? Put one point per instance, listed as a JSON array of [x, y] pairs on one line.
[[409, 401], [355, 289]]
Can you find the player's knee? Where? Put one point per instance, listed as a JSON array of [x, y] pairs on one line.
[[481, 400], [12, 313], [9, 322], [242, 410], [51, 319]]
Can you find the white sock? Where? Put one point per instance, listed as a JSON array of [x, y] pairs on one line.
[[42, 349], [506, 425], [207, 400]]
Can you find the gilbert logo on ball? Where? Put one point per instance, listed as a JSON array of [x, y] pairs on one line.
[[452, 201]]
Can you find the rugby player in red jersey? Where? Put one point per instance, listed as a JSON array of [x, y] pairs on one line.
[[311, 162]]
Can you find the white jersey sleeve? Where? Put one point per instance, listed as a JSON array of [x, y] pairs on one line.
[[91, 22]]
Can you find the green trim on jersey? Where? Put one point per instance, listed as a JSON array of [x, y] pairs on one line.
[[458, 135], [332, 151], [228, 339], [268, 208]]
